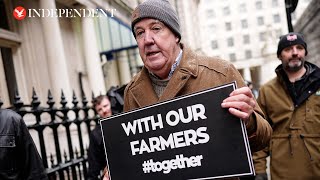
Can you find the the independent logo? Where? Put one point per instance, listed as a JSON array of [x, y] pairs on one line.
[[19, 13]]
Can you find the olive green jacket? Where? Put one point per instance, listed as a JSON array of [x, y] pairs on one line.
[[295, 145], [196, 73]]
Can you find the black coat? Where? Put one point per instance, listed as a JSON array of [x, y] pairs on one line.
[[19, 158], [96, 154]]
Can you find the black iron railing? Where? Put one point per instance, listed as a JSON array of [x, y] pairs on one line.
[[62, 133]]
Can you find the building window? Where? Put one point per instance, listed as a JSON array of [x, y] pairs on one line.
[[262, 36], [244, 24], [246, 39], [210, 13], [228, 26], [275, 3], [276, 18], [259, 5], [248, 54], [260, 21], [232, 57], [214, 44], [278, 33], [242, 8], [226, 11], [230, 42], [212, 28]]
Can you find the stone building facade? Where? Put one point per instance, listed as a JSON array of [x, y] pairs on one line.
[[308, 25]]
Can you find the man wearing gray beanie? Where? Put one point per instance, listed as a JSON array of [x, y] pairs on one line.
[[172, 69], [291, 102]]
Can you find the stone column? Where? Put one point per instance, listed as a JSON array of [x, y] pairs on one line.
[[92, 58], [56, 58], [124, 67], [112, 74], [247, 74]]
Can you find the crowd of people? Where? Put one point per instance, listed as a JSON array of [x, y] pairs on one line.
[[283, 123]]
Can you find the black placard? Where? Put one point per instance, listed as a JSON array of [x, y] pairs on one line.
[[189, 137]]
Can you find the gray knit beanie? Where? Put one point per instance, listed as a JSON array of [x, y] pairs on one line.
[[157, 9]]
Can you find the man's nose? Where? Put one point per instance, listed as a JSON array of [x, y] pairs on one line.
[[294, 50], [148, 38]]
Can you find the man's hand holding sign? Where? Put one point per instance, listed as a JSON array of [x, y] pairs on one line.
[[241, 103]]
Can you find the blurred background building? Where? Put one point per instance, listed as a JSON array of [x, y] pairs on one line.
[[308, 25], [246, 33]]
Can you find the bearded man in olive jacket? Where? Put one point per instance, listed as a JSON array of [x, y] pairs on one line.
[[291, 102]]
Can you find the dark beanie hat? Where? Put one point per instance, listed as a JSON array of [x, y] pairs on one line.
[[157, 9], [289, 40]]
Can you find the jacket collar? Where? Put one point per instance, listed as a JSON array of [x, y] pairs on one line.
[[311, 83], [188, 64], [311, 69], [143, 86]]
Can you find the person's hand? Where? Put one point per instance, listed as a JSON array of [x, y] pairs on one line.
[[105, 174], [240, 103], [262, 176]]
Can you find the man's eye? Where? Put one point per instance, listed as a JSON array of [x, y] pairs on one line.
[[156, 28], [287, 49], [139, 33]]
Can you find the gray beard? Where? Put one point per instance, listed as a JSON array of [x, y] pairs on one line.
[[294, 68]]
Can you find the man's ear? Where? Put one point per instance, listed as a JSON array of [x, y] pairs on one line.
[[177, 39], [280, 57]]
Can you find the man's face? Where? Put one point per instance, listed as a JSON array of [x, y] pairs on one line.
[[293, 58], [158, 46], [104, 108]]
